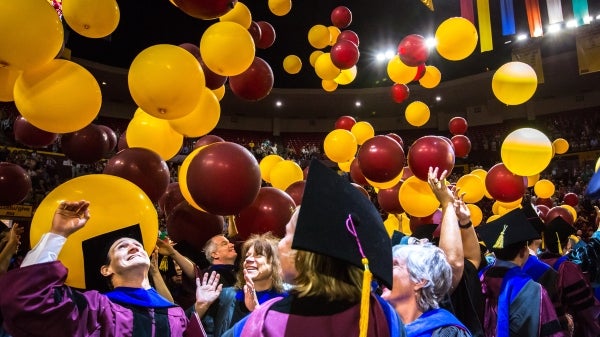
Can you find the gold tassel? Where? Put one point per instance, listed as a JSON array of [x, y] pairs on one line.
[[543, 242], [164, 264], [365, 299], [500, 242], [560, 251]]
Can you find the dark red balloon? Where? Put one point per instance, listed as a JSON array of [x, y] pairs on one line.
[[28, 134], [212, 79], [557, 211], [267, 35], [571, 199], [461, 145], [192, 226], [205, 9], [85, 146], [406, 173], [171, 198], [457, 126], [143, 167], [112, 137], [350, 36], [397, 138], [400, 92], [380, 159], [208, 139], [413, 50], [255, 31], [192, 48], [224, 178], [345, 122], [122, 143], [341, 17], [430, 151], [504, 185], [542, 211], [356, 174], [15, 184], [296, 191], [420, 72], [270, 212], [255, 83], [544, 202], [344, 54], [389, 201]]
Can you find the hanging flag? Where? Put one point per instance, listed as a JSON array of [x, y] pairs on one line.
[[507, 12], [466, 10], [485, 25], [580, 11], [555, 13], [531, 55], [587, 43], [534, 18]]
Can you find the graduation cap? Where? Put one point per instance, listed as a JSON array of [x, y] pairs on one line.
[[557, 233], [533, 217], [425, 231], [512, 227], [397, 237], [95, 252]]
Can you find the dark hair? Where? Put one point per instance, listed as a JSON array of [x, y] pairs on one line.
[[509, 252]]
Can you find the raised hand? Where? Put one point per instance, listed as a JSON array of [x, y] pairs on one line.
[[165, 247], [250, 298], [208, 289], [462, 211], [440, 190], [70, 216]]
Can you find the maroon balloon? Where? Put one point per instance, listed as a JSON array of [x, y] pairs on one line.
[[461, 145], [344, 54], [542, 211], [255, 83], [224, 178], [420, 72], [122, 143], [557, 211], [28, 134], [213, 80], [504, 185], [192, 48], [345, 122], [15, 184], [270, 212], [380, 159], [143, 167], [296, 191], [430, 151], [356, 174], [545, 202], [457, 126], [255, 31], [571, 199], [112, 137], [389, 201], [413, 50], [192, 226], [341, 17], [206, 140], [397, 138], [85, 146], [350, 36], [205, 9], [406, 173], [400, 92], [267, 35], [171, 198]]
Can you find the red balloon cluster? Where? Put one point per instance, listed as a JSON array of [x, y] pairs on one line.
[[255, 83], [400, 92], [350, 36], [557, 211], [542, 211], [571, 199], [397, 138], [413, 50], [380, 159], [341, 17], [270, 212], [356, 174], [192, 226], [112, 137], [28, 134], [345, 122], [461, 145], [504, 185], [15, 184], [205, 9], [389, 201], [344, 54], [85, 146], [430, 151], [457, 126], [122, 143], [267, 35], [544, 202]]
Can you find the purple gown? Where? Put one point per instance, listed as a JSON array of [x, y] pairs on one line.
[[35, 302]]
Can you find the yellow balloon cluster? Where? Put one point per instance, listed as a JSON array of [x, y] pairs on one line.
[[417, 113], [346, 76], [202, 120], [266, 165], [456, 38], [227, 48], [154, 134], [340, 145], [526, 152], [324, 67], [319, 36], [91, 18], [312, 59], [363, 131], [514, 83], [416, 197], [285, 173], [400, 72]]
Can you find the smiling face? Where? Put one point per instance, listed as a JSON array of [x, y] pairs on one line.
[[258, 266], [403, 288], [224, 252], [125, 254]]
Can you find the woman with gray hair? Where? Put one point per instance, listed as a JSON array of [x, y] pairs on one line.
[[421, 278]]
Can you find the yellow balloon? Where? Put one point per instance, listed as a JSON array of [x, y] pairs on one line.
[[266, 165], [202, 120], [514, 83], [400, 72], [560, 145], [481, 173], [240, 14], [285, 173], [280, 7], [511, 204], [417, 113], [219, 92], [91, 18], [526, 152], [166, 81], [115, 203], [544, 189], [292, 64], [325, 68], [492, 218], [319, 36], [531, 180], [345, 166], [386, 184], [571, 210], [416, 197], [334, 32], [329, 85], [456, 38], [154, 134], [363, 131], [391, 224], [182, 175], [60, 96], [431, 78], [476, 214], [8, 77], [346, 76], [312, 59], [340, 145], [31, 34], [227, 48], [473, 186]]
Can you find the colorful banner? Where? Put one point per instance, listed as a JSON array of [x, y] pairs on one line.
[[19, 211], [587, 43], [507, 11], [466, 10], [555, 12], [531, 55], [534, 18], [580, 11], [485, 25]]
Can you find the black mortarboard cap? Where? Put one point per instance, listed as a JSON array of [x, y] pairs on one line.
[[327, 202], [95, 252], [533, 217], [512, 227], [557, 230], [397, 237], [424, 231]]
